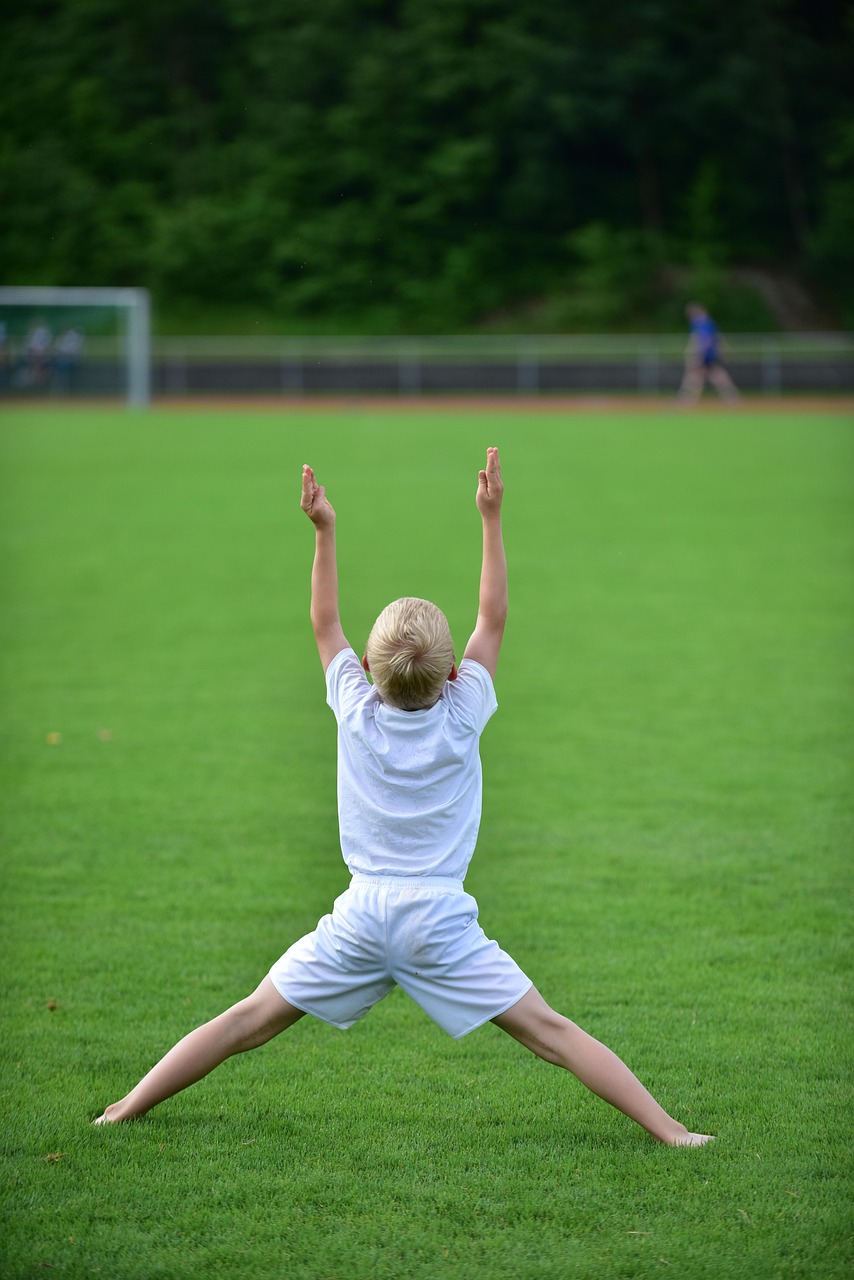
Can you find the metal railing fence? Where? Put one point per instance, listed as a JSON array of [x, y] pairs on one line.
[[524, 365], [770, 364]]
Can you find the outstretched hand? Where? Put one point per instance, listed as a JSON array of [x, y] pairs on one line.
[[314, 501], [490, 487]]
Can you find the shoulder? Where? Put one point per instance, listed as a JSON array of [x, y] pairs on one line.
[[471, 697], [346, 683], [473, 672]]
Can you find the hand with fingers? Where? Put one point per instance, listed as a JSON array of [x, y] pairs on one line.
[[314, 501], [490, 487]]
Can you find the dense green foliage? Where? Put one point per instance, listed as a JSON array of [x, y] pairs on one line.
[[423, 162], [665, 845]]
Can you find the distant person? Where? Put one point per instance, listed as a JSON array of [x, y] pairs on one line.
[[703, 358], [5, 355], [67, 354], [37, 355], [409, 804]]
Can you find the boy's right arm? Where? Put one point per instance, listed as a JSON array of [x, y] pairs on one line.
[[485, 642], [325, 619]]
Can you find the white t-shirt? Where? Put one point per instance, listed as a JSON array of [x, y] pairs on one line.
[[409, 782]]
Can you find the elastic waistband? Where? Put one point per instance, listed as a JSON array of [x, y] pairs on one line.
[[411, 882]]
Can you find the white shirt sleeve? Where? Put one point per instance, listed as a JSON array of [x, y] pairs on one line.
[[471, 696], [346, 683]]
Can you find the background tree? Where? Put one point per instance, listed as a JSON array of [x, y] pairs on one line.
[[423, 163]]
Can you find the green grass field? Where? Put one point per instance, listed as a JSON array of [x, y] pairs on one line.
[[665, 848]]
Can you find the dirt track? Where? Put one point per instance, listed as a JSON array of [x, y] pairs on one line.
[[843, 404], [836, 404]]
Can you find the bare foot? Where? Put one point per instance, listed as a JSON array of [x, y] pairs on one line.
[[107, 1117], [693, 1140]]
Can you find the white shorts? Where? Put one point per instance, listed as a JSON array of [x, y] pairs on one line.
[[420, 933]]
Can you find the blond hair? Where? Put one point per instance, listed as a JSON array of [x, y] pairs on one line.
[[410, 653]]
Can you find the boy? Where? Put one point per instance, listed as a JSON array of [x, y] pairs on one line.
[[409, 796], [703, 359]]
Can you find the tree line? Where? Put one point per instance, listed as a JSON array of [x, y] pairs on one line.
[[426, 162]]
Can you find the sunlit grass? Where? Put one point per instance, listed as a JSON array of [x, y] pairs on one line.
[[665, 846]]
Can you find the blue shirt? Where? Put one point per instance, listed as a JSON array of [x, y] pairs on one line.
[[705, 333]]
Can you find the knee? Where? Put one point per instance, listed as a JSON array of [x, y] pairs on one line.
[[538, 1026], [258, 1018], [242, 1025], [237, 1026], [550, 1031], [545, 1033]]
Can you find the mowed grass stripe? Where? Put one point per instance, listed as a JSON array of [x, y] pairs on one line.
[[665, 845]]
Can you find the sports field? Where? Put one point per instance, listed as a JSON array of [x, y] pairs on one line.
[[666, 843]]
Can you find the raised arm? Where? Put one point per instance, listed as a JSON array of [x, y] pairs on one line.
[[324, 573], [486, 638]]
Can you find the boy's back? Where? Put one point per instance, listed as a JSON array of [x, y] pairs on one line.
[[409, 782]]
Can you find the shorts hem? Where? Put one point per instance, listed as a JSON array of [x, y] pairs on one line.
[[312, 1013], [458, 1035]]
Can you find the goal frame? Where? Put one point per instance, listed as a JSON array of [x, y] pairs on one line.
[[134, 304]]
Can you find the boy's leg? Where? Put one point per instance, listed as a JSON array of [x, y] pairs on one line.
[[551, 1036], [246, 1025], [723, 383], [692, 381]]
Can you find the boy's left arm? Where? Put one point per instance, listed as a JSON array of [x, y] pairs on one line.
[[485, 642], [325, 619]]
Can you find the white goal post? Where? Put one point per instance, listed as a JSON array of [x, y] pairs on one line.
[[130, 343]]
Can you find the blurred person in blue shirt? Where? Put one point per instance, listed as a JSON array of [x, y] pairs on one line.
[[703, 359]]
